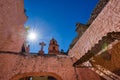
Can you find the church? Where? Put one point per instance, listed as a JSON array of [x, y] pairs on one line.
[[92, 55]]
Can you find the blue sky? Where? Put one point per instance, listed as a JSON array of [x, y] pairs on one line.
[[56, 18]]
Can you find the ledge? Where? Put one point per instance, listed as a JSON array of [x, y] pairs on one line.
[[111, 37]]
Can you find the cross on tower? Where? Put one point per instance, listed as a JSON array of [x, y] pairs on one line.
[[42, 44]]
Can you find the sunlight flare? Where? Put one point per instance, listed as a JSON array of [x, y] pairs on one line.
[[32, 36]]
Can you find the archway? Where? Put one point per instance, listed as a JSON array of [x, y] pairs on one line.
[[36, 74], [38, 78]]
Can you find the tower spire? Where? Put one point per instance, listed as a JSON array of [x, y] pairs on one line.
[[53, 47]]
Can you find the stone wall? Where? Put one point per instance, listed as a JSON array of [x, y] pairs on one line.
[[99, 7], [80, 29], [14, 66], [107, 21], [12, 19]]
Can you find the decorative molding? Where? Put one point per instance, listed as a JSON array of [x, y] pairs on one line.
[[111, 37]]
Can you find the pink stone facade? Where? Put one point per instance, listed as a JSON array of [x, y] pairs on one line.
[[12, 19], [107, 21], [13, 65]]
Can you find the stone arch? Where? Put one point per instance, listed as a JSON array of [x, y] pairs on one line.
[[18, 76]]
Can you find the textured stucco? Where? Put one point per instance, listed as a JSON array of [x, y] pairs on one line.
[[12, 19], [107, 21], [13, 67]]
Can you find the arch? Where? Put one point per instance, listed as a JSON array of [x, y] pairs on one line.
[[18, 76]]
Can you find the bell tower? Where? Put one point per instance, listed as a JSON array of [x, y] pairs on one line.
[[53, 47]]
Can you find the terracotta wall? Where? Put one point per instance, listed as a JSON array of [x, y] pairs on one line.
[[107, 21], [14, 66], [12, 19]]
